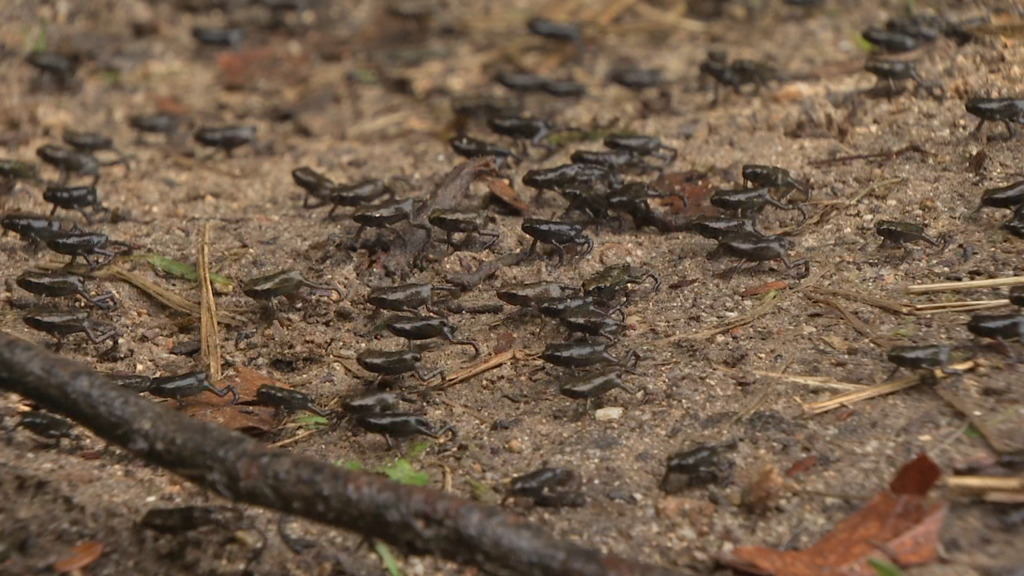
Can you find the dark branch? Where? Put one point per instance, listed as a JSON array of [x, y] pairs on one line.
[[415, 520]]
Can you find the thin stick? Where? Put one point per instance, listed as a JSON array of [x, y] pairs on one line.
[[812, 381], [209, 335], [942, 308], [965, 285], [985, 483], [816, 408], [412, 519], [481, 367], [155, 291], [857, 323], [296, 438], [891, 305], [988, 432]]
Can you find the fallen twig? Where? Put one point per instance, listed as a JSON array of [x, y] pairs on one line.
[[965, 285], [983, 484], [857, 323], [157, 292], [816, 408], [812, 381], [481, 367], [891, 305], [208, 332], [961, 306], [414, 520], [886, 154]]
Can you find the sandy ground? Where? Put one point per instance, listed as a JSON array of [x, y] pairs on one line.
[[511, 420]]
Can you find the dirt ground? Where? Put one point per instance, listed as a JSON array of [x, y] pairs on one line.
[[327, 99]]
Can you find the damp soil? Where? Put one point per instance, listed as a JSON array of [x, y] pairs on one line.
[[357, 93]]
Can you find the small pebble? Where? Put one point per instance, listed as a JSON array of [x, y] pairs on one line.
[[609, 413]]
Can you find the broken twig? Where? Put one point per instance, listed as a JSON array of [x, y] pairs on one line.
[[966, 285], [414, 520]]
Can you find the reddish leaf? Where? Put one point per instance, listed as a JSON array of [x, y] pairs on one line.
[[903, 528], [169, 105], [81, 556], [220, 410], [916, 477], [264, 66], [691, 185], [802, 465], [501, 188], [765, 288]]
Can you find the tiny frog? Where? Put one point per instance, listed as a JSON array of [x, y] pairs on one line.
[[61, 285], [593, 385], [520, 82], [697, 467], [1009, 111], [407, 297], [183, 519], [386, 215], [642, 146], [186, 385], [749, 202], [637, 78], [717, 227], [63, 324], [395, 363], [284, 283], [558, 306], [756, 248], [86, 244], [46, 425], [771, 177], [226, 138], [632, 199], [615, 161], [74, 198], [564, 88], [400, 425], [371, 403], [1017, 296], [1015, 225], [166, 124], [137, 383], [91, 142], [57, 66], [358, 194], [999, 327], [605, 285], [1010, 196], [548, 487], [70, 162], [562, 31], [889, 72], [533, 129], [18, 170], [527, 295], [472, 148], [900, 234], [416, 327], [929, 356], [568, 175], [891, 41], [33, 228], [557, 234], [466, 222], [226, 37], [592, 322], [286, 400], [317, 186], [585, 354], [592, 205]]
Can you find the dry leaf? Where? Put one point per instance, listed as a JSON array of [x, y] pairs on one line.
[[765, 491], [899, 525], [765, 288], [501, 188], [264, 66], [81, 556], [802, 465], [692, 185], [235, 416]]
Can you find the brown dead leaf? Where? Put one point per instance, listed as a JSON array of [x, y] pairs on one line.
[[79, 557], [235, 416], [501, 188], [168, 105], [692, 185], [765, 491], [765, 288], [802, 465], [263, 66], [900, 526]]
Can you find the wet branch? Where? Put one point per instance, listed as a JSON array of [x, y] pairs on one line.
[[415, 520]]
